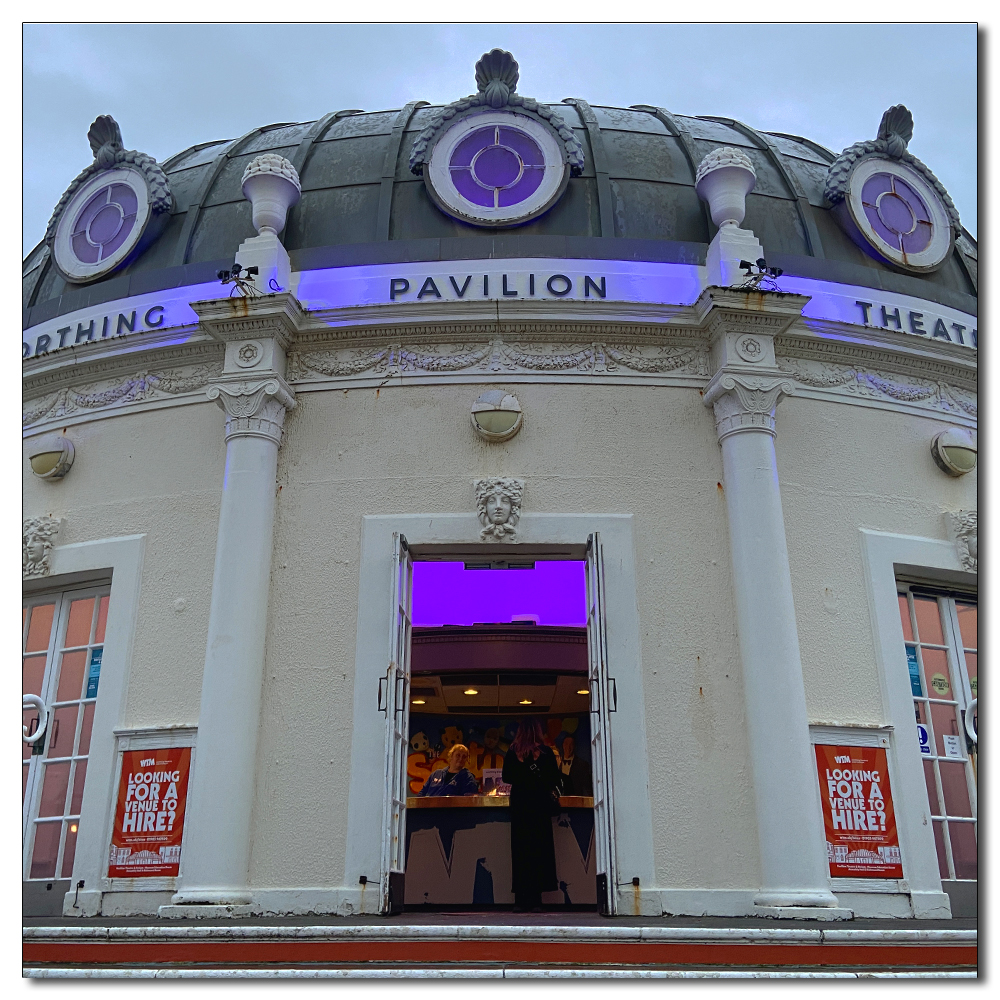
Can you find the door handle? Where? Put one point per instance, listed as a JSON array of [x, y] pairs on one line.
[[969, 727], [614, 694], [33, 701], [381, 690]]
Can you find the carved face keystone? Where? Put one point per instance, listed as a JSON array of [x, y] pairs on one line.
[[36, 550], [497, 509]]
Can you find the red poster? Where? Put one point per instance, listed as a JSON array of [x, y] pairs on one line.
[[861, 840], [149, 820]]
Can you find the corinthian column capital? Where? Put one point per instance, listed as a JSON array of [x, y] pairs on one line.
[[745, 402], [254, 408]]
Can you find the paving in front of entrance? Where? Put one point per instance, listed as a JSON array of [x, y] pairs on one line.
[[496, 945]]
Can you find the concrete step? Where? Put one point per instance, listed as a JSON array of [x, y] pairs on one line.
[[494, 950]]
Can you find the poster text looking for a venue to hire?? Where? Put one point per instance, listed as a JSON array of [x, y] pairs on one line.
[[149, 819], [858, 816]]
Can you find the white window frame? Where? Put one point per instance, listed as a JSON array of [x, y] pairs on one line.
[[86, 563], [887, 556], [958, 675], [63, 600]]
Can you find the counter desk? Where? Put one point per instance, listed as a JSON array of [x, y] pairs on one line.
[[487, 802], [458, 851]]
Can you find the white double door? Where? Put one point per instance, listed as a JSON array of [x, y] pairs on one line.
[[394, 701]]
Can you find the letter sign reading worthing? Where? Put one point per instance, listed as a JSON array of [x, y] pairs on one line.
[[149, 820], [861, 839]]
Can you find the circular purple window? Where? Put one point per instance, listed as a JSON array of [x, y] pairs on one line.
[[497, 166], [897, 213], [104, 223]]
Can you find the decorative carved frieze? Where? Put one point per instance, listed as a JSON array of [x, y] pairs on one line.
[[136, 388], [38, 536], [874, 384], [498, 356], [498, 505], [745, 402], [828, 345], [963, 529], [253, 408]]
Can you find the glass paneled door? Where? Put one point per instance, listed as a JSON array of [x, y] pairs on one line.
[[941, 638], [603, 701], [394, 700], [62, 643]]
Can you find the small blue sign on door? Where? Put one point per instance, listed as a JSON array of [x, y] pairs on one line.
[[925, 738], [94, 673], [911, 662]]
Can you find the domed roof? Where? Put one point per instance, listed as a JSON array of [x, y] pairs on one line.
[[634, 198]]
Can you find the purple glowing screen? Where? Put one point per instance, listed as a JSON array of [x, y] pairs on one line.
[[446, 593], [897, 213], [497, 167], [104, 223]]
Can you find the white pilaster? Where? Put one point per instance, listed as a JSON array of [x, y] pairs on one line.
[[744, 392], [255, 398]]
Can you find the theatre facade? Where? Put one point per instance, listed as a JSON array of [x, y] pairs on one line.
[[730, 375]]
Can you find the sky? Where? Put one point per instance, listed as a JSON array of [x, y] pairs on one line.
[[170, 86], [446, 593]]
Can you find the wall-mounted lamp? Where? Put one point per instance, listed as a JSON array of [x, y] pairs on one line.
[[496, 415], [955, 451], [51, 456]]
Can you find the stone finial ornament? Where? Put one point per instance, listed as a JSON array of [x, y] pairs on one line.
[[895, 130], [498, 505], [496, 77], [105, 138], [37, 539], [496, 80], [271, 185], [724, 179], [894, 133]]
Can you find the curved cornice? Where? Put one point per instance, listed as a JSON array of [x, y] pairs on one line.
[[557, 342]]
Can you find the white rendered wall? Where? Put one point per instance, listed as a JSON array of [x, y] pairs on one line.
[[649, 452], [653, 454], [155, 477], [157, 473], [843, 468]]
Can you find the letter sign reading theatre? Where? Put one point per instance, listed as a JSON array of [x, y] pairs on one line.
[[149, 819], [860, 823]]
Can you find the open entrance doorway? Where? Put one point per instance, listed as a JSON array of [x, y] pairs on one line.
[[479, 644]]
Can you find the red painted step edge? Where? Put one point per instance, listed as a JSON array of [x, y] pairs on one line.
[[252, 953]]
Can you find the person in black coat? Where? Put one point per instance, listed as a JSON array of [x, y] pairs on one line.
[[530, 769]]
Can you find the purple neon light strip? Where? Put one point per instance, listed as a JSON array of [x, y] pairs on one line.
[[450, 594]]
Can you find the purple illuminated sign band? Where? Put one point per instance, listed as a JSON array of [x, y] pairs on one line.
[[104, 223], [497, 167], [897, 213]]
